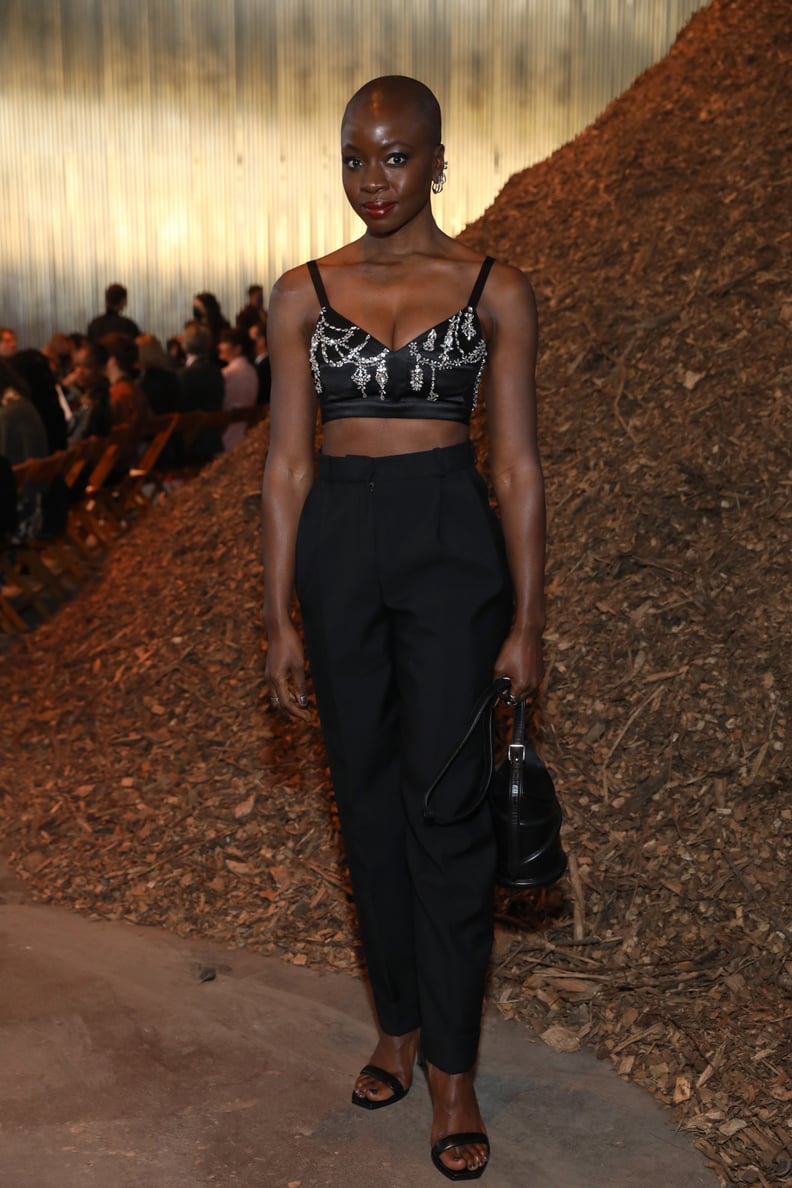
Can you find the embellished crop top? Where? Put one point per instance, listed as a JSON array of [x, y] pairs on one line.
[[436, 375]]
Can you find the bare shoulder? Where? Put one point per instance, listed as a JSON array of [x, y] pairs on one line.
[[293, 285], [509, 293], [507, 308], [293, 303]]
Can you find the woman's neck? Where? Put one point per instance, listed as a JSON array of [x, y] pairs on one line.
[[420, 237]]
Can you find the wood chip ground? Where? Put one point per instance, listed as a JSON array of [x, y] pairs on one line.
[[146, 778]]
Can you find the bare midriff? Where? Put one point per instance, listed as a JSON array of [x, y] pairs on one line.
[[376, 437]]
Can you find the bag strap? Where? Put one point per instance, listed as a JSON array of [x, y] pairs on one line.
[[482, 712], [516, 769], [518, 733]]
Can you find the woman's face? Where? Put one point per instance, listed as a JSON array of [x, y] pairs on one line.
[[389, 162]]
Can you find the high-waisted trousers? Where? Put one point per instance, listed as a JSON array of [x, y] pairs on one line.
[[406, 598]]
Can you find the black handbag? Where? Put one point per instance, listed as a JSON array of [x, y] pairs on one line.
[[526, 815]]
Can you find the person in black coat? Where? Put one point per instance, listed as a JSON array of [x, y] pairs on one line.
[[34, 369], [113, 320], [22, 436], [202, 389], [258, 336], [157, 378]]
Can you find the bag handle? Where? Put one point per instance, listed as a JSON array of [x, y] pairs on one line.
[[516, 770], [482, 711], [518, 733]]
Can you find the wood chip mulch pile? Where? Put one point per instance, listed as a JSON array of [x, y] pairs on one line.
[[145, 777]]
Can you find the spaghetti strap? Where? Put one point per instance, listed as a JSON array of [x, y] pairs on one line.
[[481, 280], [318, 284]]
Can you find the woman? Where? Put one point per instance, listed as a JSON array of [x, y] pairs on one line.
[[411, 598], [207, 312]]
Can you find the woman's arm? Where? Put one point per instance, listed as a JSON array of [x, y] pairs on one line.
[[516, 469], [288, 476]]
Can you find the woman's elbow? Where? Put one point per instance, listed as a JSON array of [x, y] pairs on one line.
[[522, 481]]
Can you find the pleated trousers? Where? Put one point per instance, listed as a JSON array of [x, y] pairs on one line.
[[406, 598]]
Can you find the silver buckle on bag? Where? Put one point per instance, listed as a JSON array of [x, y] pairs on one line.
[[516, 751]]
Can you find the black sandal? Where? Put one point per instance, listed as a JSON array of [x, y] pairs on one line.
[[459, 1140], [393, 1083]]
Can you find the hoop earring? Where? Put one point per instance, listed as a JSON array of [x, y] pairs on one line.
[[439, 182]]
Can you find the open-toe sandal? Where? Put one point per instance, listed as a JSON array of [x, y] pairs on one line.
[[385, 1078], [467, 1137]]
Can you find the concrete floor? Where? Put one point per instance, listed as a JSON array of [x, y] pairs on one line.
[[121, 1068]]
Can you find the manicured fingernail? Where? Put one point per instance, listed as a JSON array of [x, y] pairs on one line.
[[303, 699]]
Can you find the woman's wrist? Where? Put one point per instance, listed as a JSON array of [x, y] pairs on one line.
[[529, 625], [278, 620]]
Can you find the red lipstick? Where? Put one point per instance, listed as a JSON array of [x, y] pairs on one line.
[[378, 210]]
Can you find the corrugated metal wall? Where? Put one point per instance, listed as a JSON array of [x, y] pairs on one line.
[[180, 145]]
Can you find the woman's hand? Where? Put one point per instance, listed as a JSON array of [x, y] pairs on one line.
[[521, 659], [285, 672]]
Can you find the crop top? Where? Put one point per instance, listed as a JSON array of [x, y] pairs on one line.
[[436, 375]]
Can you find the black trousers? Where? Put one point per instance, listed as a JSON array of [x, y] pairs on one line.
[[406, 598]]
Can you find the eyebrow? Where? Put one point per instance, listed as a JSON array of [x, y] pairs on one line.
[[348, 147]]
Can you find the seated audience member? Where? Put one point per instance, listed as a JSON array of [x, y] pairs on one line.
[[240, 380], [176, 352], [128, 401], [8, 342], [258, 336], [207, 313], [20, 511], [9, 519], [58, 353], [157, 378], [88, 393], [202, 390], [34, 369], [251, 313], [50, 402], [201, 378], [22, 434], [113, 321]]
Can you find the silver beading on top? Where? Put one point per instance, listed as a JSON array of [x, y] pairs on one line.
[[337, 346], [453, 353], [339, 350]]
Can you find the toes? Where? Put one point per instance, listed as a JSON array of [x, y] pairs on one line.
[[373, 1090], [464, 1158], [461, 1158]]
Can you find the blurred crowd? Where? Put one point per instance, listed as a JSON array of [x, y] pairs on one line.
[[81, 385]]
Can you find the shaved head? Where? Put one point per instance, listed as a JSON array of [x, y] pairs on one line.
[[400, 91]]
